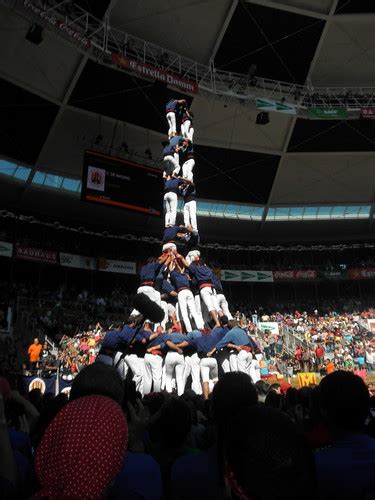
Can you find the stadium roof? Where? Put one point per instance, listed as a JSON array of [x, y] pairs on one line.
[[55, 100]]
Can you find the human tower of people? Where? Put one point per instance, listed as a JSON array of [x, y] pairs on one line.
[[197, 336]]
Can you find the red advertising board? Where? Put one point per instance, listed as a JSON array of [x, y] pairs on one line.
[[149, 71], [294, 275], [365, 273], [36, 254], [368, 113]]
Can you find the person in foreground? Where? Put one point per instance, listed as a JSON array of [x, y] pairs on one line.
[[346, 470]]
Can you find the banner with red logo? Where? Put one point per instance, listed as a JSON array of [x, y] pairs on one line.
[[149, 71], [36, 254], [294, 275], [362, 273], [368, 113]]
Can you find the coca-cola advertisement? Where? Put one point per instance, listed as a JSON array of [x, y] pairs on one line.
[[294, 275]]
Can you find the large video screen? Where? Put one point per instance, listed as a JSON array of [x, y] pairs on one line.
[[122, 183]]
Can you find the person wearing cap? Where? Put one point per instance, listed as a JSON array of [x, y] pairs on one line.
[[74, 459]]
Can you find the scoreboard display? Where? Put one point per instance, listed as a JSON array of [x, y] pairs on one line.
[[115, 182]]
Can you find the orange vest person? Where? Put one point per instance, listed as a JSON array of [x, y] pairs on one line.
[[34, 352]]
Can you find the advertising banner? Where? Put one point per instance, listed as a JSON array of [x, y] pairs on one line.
[[117, 266], [257, 276], [362, 273], [53, 384], [294, 275], [368, 113], [247, 276], [271, 326], [280, 107], [77, 261], [227, 275], [327, 113], [306, 378], [36, 254], [59, 24], [333, 275], [6, 249], [149, 71]]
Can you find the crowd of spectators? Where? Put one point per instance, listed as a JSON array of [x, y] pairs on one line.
[[248, 441]]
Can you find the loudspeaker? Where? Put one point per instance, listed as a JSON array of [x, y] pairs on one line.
[[35, 34], [262, 118]]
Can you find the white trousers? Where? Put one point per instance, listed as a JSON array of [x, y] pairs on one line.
[[171, 119], [198, 307], [153, 373], [164, 306], [172, 160], [187, 169], [192, 366], [170, 206], [136, 365], [174, 366], [221, 304], [187, 130], [244, 361], [187, 307], [207, 296], [151, 293], [254, 371], [190, 214], [209, 370]]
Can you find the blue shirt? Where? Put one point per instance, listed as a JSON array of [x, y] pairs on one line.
[[130, 481], [194, 334], [175, 140], [205, 343], [170, 233], [203, 274], [177, 338], [171, 105], [167, 287], [159, 340], [115, 340], [179, 280], [169, 150], [236, 336], [172, 185], [346, 469], [149, 272], [217, 284]]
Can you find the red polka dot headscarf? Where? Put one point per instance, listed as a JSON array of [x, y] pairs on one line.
[[82, 449]]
